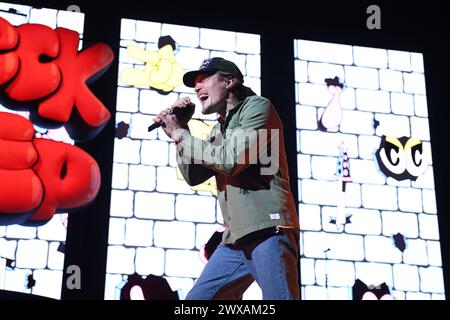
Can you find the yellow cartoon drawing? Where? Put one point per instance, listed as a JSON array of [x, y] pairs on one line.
[[161, 71], [200, 130]]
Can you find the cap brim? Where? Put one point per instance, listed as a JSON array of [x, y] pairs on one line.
[[189, 77]]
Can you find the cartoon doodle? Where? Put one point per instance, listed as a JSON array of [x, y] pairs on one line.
[[61, 247], [13, 11], [10, 264], [334, 221], [372, 296], [209, 185], [399, 241], [30, 282], [39, 176], [363, 292], [6, 264], [332, 115], [376, 123], [122, 130], [343, 177], [57, 84], [161, 71], [401, 158], [200, 130], [149, 288]]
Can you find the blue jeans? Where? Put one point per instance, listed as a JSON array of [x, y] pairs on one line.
[[271, 260]]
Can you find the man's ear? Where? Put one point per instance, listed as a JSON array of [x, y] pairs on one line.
[[230, 83]]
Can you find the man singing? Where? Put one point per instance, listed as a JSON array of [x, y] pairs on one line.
[[245, 151]]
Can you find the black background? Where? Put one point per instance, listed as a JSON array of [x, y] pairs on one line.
[[420, 27]]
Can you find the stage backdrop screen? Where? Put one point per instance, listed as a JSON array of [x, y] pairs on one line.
[[367, 204], [159, 225], [32, 258]]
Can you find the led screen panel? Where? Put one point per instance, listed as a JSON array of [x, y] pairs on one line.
[[367, 203], [32, 258], [159, 225]]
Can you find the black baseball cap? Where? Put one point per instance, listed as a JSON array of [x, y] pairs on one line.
[[211, 66]]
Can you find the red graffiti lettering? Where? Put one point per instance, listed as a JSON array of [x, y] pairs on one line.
[[21, 190], [42, 69], [76, 69], [34, 79], [46, 67], [9, 62], [71, 177], [40, 177]]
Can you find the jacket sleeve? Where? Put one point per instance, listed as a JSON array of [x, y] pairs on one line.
[[239, 147], [194, 174]]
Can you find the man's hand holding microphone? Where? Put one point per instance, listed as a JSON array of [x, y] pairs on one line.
[[174, 120]]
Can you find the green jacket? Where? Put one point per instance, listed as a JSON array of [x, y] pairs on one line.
[[248, 158]]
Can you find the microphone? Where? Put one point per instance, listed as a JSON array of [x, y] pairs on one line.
[[179, 112]]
